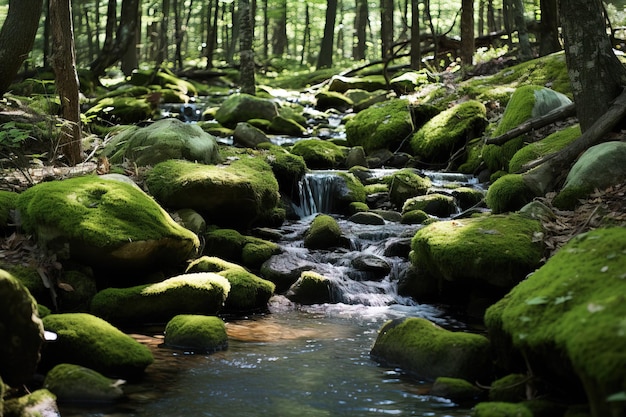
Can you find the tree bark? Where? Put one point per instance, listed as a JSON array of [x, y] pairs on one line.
[[16, 38], [416, 41], [360, 29], [325, 58], [279, 33], [549, 29], [517, 9], [63, 61], [595, 73], [246, 54], [386, 27], [467, 32]]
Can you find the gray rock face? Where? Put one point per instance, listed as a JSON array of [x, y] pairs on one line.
[[375, 267], [367, 218], [285, 269], [248, 136]]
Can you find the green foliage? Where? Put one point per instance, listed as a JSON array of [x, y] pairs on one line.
[[12, 137]]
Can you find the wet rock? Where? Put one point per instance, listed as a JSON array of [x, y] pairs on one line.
[[74, 383], [243, 107], [501, 409], [414, 217], [374, 266], [285, 269], [457, 390], [86, 340], [310, 288], [405, 184], [323, 233], [197, 293], [356, 157], [435, 204], [389, 215], [319, 154], [399, 247], [467, 197], [196, 333], [192, 220], [281, 125], [332, 100], [232, 246], [21, 332], [40, 403], [428, 351], [104, 223], [367, 218], [248, 292], [248, 136]]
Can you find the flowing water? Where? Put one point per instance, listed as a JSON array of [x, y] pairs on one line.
[[300, 360]]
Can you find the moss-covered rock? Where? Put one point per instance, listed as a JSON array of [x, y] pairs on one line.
[[162, 140], [467, 197], [510, 388], [248, 136], [104, 222], [197, 293], [500, 409], [287, 167], [243, 107], [311, 288], [435, 204], [568, 318], [21, 331], [74, 383], [548, 145], [239, 194], [599, 167], [248, 292], [447, 132], [126, 110], [332, 100], [414, 217], [509, 193], [368, 83], [404, 184], [197, 333], [35, 404], [428, 351], [86, 340], [381, 126], [318, 154], [457, 390], [232, 246], [323, 233], [498, 250], [164, 78], [8, 202]]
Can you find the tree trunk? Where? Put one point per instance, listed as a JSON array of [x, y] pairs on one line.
[[360, 29], [595, 73], [416, 45], [162, 55], [130, 59], [63, 62], [246, 54], [549, 30], [16, 38], [266, 30], [124, 37], [517, 9], [325, 58], [279, 34], [306, 35], [211, 38], [386, 27], [467, 32]]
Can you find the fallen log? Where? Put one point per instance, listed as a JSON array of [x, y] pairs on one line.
[[546, 173], [555, 115]]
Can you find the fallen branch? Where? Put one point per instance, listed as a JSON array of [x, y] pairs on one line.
[[555, 115]]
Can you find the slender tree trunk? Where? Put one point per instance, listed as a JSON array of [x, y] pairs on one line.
[[266, 30], [467, 32], [162, 55], [416, 41], [386, 27], [16, 38], [360, 28], [130, 59], [211, 38], [596, 75], [246, 54], [517, 8], [491, 17], [325, 58], [63, 62], [279, 35], [549, 36], [306, 36]]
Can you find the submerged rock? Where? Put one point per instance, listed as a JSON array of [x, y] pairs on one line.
[[428, 351], [104, 223]]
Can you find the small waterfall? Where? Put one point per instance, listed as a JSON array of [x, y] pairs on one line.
[[316, 191]]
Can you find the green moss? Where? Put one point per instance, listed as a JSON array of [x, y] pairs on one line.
[[376, 188], [318, 153], [426, 350], [33, 404], [256, 251], [224, 243], [8, 202], [573, 307], [70, 382], [414, 217], [546, 146], [196, 332], [89, 341], [310, 288], [323, 233], [81, 202], [248, 292], [381, 126], [197, 293], [354, 189], [287, 167], [511, 388], [500, 250], [500, 409], [404, 184], [436, 204], [211, 264], [445, 133], [473, 158], [358, 207], [281, 125], [509, 193], [122, 109], [455, 389]]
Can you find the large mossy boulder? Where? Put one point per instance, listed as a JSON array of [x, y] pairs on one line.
[[318, 154], [381, 126], [435, 204], [77, 384], [287, 167], [509, 193], [428, 351], [105, 223], [567, 320], [86, 340], [197, 293], [449, 131], [546, 146], [232, 246], [311, 288], [600, 167], [238, 194], [527, 102], [21, 332], [196, 333], [248, 292], [243, 107], [323, 233], [8, 201], [162, 140], [495, 250]]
